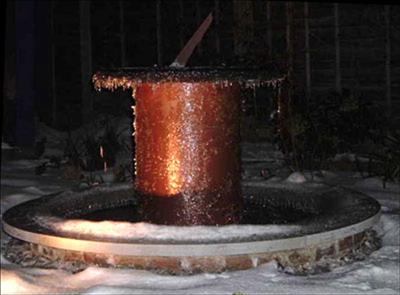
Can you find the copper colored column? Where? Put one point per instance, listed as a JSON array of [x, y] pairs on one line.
[[188, 153]]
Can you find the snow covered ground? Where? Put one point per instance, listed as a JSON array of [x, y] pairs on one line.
[[378, 274]]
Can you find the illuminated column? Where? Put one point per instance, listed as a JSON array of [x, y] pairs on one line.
[[188, 152]]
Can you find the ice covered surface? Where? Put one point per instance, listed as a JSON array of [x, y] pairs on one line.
[[149, 232], [378, 274]]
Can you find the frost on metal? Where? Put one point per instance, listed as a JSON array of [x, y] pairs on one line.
[[130, 78]]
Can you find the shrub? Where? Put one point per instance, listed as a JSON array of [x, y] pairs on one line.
[[318, 130]]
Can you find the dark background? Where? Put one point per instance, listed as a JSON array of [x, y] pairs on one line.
[[53, 47]]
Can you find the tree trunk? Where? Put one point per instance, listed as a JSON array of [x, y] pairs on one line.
[[286, 92], [216, 27], [53, 68], [338, 78], [198, 23], [269, 29], [289, 41], [86, 60], [243, 26], [9, 73], [159, 34], [9, 52], [25, 63], [122, 32], [43, 97], [181, 25], [307, 51], [388, 63]]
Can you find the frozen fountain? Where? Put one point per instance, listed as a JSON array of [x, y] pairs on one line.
[[189, 211]]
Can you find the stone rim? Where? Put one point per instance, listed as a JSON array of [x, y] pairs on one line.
[[182, 250], [235, 247]]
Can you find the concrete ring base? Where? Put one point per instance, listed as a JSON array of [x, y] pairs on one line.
[[301, 251], [307, 260]]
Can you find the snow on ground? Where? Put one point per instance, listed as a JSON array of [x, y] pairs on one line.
[[6, 146], [296, 177], [378, 274]]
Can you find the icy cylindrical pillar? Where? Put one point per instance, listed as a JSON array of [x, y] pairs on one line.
[[188, 152]]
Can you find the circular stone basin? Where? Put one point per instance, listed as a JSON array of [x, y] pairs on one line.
[[296, 225]]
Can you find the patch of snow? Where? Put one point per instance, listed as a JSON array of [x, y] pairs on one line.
[[9, 201], [350, 157], [376, 183], [4, 261], [13, 283], [296, 177], [388, 229], [33, 190], [6, 146], [23, 164], [329, 174], [274, 179], [53, 152], [387, 196], [344, 157], [380, 271], [280, 183], [161, 233], [18, 182]]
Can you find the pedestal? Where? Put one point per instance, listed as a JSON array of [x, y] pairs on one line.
[[188, 152]]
